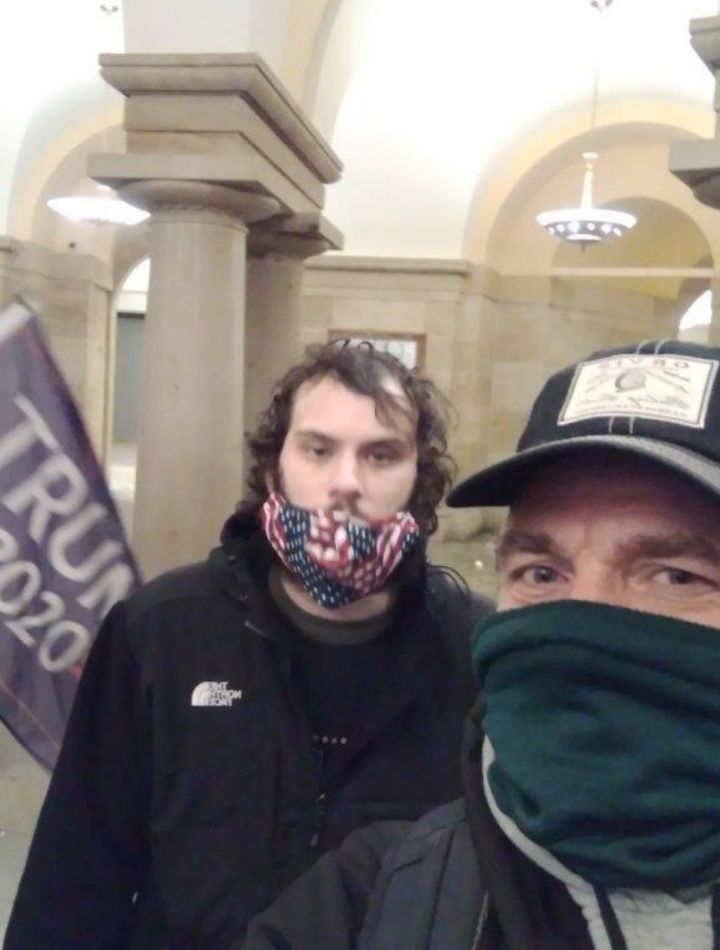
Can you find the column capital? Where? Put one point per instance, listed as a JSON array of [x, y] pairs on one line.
[[160, 196], [232, 92], [296, 236], [224, 119], [697, 163], [705, 39]]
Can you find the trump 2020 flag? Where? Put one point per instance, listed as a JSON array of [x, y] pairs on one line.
[[64, 560]]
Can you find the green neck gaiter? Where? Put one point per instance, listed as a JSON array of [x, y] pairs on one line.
[[606, 728]]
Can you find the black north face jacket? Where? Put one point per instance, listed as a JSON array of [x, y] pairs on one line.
[[186, 794]]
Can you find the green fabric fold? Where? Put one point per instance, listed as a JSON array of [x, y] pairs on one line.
[[606, 728]]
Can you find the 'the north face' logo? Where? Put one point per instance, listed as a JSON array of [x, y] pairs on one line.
[[214, 694]]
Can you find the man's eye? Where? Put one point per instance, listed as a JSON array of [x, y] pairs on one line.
[[382, 456], [317, 451], [677, 577], [541, 574], [535, 574]]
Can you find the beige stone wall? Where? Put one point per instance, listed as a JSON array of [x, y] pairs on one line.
[[72, 293]]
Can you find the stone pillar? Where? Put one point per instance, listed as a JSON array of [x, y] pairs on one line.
[[8, 251], [190, 447], [697, 163], [274, 301], [214, 144]]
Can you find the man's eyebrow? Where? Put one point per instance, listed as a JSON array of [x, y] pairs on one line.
[[690, 544], [313, 434], [391, 440], [513, 541], [385, 440]]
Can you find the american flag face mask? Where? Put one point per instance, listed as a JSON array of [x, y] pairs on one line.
[[335, 558]]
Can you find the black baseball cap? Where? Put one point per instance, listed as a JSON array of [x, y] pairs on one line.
[[659, 400]]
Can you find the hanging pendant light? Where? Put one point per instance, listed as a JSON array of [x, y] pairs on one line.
[[586, 224], [98, 205]]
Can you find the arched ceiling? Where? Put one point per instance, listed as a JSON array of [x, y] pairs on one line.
[[442, 95], [48, 73], [426, 103]]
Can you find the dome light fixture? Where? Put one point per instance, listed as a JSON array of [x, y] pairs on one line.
[[101, 207], [587, 224]]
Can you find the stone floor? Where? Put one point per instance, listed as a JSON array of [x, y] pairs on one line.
[[22, 787]]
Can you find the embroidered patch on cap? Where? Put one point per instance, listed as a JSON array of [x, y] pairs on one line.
[[667, 388]]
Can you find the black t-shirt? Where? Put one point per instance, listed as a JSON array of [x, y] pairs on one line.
[[336, 667]]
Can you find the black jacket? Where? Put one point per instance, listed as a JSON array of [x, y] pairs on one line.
[[450, 881], [169, 824]]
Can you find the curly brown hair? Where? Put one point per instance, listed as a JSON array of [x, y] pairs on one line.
[[365, 370]]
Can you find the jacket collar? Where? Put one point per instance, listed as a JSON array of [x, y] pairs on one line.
[[533, 909]]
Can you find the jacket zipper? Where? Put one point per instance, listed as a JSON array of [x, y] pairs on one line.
[[482, 920], [320, 803], [319, 819]]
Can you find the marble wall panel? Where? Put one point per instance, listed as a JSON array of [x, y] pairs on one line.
[[383, 316], [515, 384]]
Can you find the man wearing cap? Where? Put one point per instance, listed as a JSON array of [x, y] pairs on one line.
[[591, 811]]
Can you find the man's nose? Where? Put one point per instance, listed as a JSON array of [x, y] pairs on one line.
[[597, 586], [346, 477]]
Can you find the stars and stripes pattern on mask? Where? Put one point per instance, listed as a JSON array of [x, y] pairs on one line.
[[336, 558]]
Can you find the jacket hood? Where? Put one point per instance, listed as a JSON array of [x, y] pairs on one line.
[[237, 529]]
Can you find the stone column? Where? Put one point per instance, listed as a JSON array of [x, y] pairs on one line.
[[697, 163], [274, 301], [190, 448], [8, 250], [214, 143]]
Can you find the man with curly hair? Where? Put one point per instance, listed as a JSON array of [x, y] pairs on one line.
[[239, 717]]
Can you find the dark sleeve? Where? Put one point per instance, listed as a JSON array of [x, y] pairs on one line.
[[452, 600], [89, 855], [325, 908]]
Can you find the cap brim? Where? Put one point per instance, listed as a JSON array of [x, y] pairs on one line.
[[499, 484]]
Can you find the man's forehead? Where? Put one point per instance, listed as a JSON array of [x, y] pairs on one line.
[[597, 480], [316, 403]]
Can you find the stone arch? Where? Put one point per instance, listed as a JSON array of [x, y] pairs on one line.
[[628, 170], [308, 31], [60, 135], [662, 264], [337, 45], [522, 169], [665, 236]]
